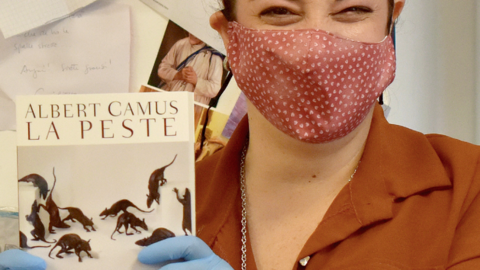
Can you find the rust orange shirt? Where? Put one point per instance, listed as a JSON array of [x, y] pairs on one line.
[[414, 204]]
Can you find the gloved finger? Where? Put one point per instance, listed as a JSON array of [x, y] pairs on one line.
[[212, 262], [16, 259], [180, 247]]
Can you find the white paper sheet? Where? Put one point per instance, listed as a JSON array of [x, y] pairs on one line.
[[88, 52], [19, 16], [193, 16]]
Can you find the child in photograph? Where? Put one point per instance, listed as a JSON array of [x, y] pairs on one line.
[[192, 66]]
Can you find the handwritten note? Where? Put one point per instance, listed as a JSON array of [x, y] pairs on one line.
[[19, 16], [88, 52]]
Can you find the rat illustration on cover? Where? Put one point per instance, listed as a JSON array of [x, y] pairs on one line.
[[70, 242], [52, 209], [128, 219], [158, 234], [38, 232], [157, 179], [38, 181], [76, 213], [121, 205], [187, 210]]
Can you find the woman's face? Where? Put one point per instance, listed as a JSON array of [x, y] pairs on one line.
[[193, 39], [360, 20]]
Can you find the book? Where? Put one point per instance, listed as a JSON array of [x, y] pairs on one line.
[[93, 167]]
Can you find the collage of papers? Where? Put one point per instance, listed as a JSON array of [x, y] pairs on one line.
[[56, 47]]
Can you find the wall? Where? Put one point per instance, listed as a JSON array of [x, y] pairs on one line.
[[434, 91]]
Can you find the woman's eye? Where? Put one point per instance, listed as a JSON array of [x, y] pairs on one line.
[[352, 14], [279, 16], [356, 9], [276, 11]]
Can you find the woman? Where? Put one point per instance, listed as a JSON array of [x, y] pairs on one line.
[[355, 193]]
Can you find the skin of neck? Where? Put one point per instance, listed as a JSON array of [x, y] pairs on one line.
[[275, 158]]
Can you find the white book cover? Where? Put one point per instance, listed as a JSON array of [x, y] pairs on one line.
[[102, 174]]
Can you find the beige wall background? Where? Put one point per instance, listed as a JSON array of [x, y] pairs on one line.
[[437, 88]]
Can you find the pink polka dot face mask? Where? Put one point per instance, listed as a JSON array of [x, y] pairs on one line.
[[310, 84]]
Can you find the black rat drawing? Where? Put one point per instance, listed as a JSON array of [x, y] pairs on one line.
[[187, 210], [24, 240], [38, 181], [38, 232], [127, 219], [121, 205], [69, 242], [158, 234], [76, 213], [52, 209], [157, 179]]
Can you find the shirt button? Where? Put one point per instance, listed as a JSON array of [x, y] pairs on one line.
[[304, 261]]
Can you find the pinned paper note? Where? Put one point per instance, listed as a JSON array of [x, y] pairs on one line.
[[88, 52], [19, 16]]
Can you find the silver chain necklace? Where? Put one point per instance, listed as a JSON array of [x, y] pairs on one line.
[[244, 204]]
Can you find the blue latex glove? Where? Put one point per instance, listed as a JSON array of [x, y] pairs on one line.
[[193, 250], [16, 259]]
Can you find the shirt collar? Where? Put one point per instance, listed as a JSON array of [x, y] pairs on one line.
[[396, 163]]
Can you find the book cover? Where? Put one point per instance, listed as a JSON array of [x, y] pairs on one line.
[[101, 175]]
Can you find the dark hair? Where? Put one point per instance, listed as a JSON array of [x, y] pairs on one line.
[[391, 4], [229, 11]]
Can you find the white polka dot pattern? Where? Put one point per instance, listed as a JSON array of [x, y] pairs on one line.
[[310, 84]]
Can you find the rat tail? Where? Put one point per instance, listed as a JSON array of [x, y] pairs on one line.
[[54, 181], [54, 241], [172, 160], [51, 251], [40, 246], [144, 210]]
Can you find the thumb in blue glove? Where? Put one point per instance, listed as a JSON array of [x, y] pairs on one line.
[[193, 250], [16, 259]]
